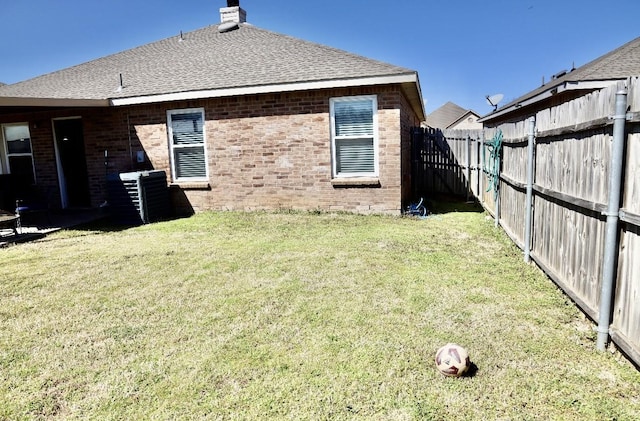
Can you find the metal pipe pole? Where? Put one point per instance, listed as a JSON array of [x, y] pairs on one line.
[[481, 171], [497, 196], [613, 215], [468, 170], [529, 201], [476, 147], [496, 173]]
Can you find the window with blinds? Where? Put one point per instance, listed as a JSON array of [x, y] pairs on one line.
[[188, 152], [18, 159], [354, 136]]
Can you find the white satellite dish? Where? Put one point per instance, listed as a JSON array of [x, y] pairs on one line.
[[494, 100]]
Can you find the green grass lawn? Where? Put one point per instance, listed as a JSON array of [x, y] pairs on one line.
[[300, 316]]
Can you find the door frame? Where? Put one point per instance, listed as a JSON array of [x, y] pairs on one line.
[[62, 182]]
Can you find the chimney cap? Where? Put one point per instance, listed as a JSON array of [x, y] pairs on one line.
[[233, 13]]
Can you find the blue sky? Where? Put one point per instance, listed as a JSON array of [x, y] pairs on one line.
[[463, 50]]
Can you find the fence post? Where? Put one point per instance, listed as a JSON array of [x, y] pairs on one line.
[[529, 201], [613, 215]]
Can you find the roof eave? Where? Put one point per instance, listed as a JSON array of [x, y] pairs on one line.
[[51, 102], [586, 85], [414, 95], [409, 81]]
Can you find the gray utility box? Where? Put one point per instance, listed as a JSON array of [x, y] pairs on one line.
[[139, 197]]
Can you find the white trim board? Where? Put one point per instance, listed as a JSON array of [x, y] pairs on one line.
[[266, 89]]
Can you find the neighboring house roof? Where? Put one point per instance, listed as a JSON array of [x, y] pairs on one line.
[[445, 115], [469, 117], [209, 63], [619, 64], [448, 115]]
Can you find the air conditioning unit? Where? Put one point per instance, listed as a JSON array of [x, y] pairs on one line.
[[139, 197]]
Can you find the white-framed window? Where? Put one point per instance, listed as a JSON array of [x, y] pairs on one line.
[[187, 144], [16, 154], [354, 136]]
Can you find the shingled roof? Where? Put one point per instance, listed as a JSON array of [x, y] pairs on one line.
[[619, 64], [443, 116], [207, 63]]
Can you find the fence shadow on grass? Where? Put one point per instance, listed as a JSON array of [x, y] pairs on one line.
[[442, 204]]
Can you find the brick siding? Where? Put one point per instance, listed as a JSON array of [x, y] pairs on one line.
[[269, 151]]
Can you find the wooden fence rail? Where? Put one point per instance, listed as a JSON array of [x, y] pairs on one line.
[[571, 167]]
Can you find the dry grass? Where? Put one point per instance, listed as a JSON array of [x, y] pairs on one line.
[[295, 316]]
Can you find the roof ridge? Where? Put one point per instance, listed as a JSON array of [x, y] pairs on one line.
[[325, 46], [596, 69], [202, 60]]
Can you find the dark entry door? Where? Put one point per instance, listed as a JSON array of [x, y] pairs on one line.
[[74, 181]]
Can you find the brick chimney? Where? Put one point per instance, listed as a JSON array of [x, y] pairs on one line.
[[233, 12]]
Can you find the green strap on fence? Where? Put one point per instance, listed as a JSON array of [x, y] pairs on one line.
[[492, 164]]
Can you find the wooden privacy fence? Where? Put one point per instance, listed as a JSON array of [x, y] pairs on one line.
[[553, 198], [445, 164]]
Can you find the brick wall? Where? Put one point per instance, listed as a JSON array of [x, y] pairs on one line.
[[268, 151], [103, 129], [273, 151], [408, 119]]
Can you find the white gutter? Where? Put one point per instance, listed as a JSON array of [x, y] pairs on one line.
[[408, 78], [51, 102], [516, 106], [588, 84], [553, 90], [419, 99], [266, 89]]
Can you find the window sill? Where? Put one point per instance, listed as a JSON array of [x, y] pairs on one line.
[[201, 185], [356, 182]]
